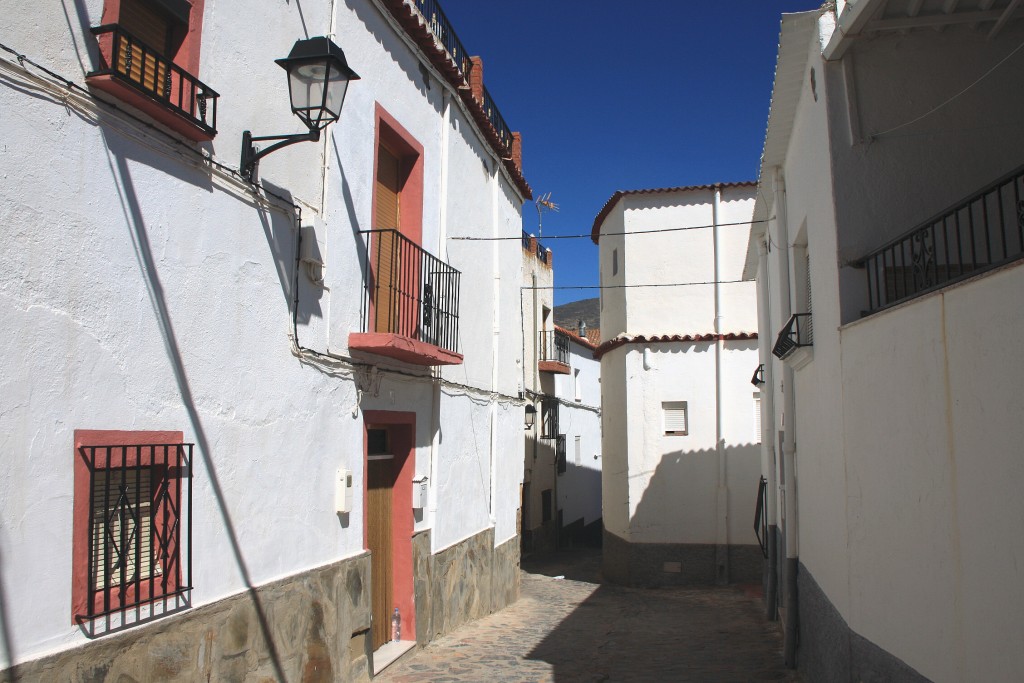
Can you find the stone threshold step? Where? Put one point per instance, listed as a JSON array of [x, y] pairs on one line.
[[389, 653]]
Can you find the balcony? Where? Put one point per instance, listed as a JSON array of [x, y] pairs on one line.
[[138, 75], [795, 340], [410, 308], [553, 352], [980, 233]]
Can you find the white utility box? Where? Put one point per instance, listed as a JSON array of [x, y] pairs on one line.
[[420, 494], [343, 491]]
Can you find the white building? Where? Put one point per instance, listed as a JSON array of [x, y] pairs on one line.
[[561, 380], [681, 464], [230, 409], [887, 247]]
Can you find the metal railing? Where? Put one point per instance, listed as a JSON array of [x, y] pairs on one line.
[[761, 516], [542, 253], [526, 240], [560, 457], [549, 418], [798, 332], [140, 529], [409, 291], [131, 61], [554, 346], [439, 25], [498, 122], [984, 231]]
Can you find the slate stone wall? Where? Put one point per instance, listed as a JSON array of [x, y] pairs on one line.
[[311, 631], [467, 581]]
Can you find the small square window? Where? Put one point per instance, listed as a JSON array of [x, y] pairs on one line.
[[675, 418]]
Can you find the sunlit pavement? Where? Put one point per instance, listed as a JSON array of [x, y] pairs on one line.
[[577, 629]]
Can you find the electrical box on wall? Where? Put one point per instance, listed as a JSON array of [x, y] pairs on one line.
[[420, 493], [343, 491]]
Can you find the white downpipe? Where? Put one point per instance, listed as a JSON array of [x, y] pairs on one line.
[[496, 329], [722, 492], [768, 393], [442, 212]]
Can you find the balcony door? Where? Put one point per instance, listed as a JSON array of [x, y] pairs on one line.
[[386, 252]]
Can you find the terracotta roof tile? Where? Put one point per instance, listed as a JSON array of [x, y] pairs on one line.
[[624, 339], [610, 204]]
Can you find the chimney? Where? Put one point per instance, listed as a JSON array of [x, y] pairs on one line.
[[517, 150], [583, 329], [476, 79]]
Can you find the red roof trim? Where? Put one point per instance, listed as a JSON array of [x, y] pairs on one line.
[[576, 338], [411, 21], [595, 232], [666, 338]]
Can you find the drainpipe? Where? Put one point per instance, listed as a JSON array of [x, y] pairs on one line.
[[722, 493], [791, 632], [768, 428], [496, 330]]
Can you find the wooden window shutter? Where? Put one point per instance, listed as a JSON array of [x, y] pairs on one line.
[[150, 25], [122, 543], [386, 249]]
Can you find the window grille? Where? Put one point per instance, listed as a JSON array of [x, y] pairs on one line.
[[549, 418], [560, 455], [140, 521]]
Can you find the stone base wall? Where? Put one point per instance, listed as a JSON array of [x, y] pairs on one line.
[[656, 564], [309, 627], [830, 651], [464, 582]]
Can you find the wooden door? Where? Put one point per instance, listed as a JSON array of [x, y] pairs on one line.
[[386, 246], [380, 482]]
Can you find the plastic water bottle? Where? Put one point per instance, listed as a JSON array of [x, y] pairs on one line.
[[396, 626]]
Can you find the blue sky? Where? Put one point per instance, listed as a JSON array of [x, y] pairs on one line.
[[615, 95]]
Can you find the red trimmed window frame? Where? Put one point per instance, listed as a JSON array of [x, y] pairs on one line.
[[81, 551], [186, 56]]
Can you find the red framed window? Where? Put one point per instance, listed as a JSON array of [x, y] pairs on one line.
[[132, 526], [149, 58]]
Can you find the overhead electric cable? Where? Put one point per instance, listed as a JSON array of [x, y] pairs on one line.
[[608, 234]]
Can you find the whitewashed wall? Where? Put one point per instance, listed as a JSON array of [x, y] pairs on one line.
[[142, 291], [579, 488]]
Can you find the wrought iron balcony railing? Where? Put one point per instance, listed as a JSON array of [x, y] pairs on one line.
[[129, 60], [553, 346], [798, 332], [526, 241], [409, 292], [542, 253], [498, 122], [761, 516], [982, 232], [442, 29]]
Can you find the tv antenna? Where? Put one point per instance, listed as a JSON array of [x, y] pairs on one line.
[[544, 202]]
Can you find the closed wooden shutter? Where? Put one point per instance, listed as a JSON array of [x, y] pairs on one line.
[[152, 26], [122, 545], [386, 250], [380, 481], [757, 417]]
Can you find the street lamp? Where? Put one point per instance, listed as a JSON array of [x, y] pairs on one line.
[[318, 77], [531, 415]]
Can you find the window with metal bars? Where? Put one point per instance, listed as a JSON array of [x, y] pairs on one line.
[[560, 454], [549, 418], [132, 536]]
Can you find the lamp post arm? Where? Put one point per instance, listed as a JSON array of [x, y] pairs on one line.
[[251, 155]]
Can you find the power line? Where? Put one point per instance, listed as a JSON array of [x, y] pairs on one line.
[[609, 234]]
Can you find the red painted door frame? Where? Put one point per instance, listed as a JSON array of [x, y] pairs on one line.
[[401, 427]]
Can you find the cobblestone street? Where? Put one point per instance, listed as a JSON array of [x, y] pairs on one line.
[[578, 629]]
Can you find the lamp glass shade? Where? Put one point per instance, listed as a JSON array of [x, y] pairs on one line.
[[531, 414], [318, 77]]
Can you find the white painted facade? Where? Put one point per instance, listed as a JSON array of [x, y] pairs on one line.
[[677, 324], [145, 288], [896, 487], [579, 394]]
